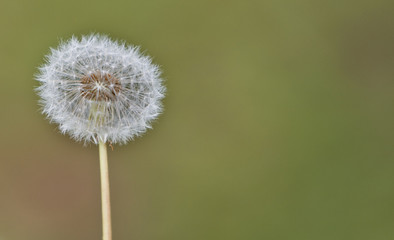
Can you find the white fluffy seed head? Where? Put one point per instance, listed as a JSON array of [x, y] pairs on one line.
[[97, 89]]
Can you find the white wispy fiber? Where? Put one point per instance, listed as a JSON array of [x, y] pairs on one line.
[[97, 89]]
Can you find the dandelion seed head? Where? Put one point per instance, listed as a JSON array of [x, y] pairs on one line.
[[97, 89]]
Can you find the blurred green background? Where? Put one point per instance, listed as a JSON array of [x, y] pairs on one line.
[[278, 123]]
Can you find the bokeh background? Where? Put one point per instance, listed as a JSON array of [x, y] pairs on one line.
[[278, 123]]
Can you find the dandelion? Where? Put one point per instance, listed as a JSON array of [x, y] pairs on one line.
[[100, 91]]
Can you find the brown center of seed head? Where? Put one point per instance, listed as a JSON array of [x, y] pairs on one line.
[[100, 87]]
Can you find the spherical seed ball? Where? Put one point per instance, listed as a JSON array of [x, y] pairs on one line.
[[97, 89]]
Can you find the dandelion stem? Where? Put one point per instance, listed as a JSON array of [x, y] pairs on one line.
[[105, 202]]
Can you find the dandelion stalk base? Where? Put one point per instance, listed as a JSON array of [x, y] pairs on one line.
[[105, 199]]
